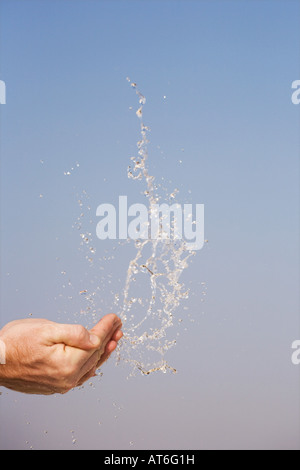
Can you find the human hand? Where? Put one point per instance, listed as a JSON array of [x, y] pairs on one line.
[[43, 357]]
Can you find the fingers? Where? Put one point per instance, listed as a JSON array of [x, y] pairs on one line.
[[89, 365], [87, 350], [95, 362], [110, 348], [79, 337], [87, 373], [106, 327], [117, 336], [75, 336]]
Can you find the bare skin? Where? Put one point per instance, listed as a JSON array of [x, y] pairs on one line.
[[43, 357]]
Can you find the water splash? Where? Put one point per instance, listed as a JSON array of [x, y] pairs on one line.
[[149, 300], [153, 291]]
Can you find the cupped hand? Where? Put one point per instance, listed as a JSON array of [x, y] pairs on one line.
[[43, 357]]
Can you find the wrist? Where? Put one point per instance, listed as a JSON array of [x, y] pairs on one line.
[[2, 351], [4, 376], [2, 359]]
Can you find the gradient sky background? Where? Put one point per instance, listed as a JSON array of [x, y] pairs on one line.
[[225, 69]]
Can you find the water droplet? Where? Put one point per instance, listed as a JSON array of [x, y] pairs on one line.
[[139, 112]]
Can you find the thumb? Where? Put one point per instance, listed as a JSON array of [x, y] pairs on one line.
[[106, 327], [76, 336]]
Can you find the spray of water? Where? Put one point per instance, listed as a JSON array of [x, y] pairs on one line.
[[149, 301], [153, 291]]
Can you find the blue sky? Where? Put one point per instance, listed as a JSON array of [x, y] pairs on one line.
[[217, 76]]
